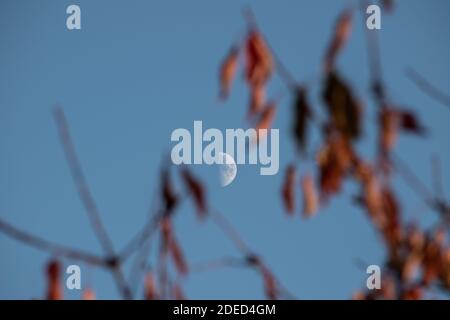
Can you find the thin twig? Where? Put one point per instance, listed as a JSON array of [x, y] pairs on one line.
[[140, 238], [374, 56], [113, 263], [438, 187], [234, 236], [218, 264], [53, 248], [412, 180], [121, 282], [80, 181], [435, 203], [427, 87], [230, 232]]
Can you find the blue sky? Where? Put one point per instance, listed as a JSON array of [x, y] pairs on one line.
[[138, 70]]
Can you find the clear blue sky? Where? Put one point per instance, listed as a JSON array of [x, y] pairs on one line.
[[139, 69]]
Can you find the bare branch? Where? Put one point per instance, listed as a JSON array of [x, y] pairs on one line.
[[218, 264], [55, 249], [80, 181], [427, 87], [230, 232]]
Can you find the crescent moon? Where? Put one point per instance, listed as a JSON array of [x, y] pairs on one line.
[[228, 169]]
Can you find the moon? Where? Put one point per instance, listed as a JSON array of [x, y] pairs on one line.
[[228, 169]]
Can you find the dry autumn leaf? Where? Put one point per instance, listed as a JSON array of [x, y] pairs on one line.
[[150, 292], [310, 199], [54, 286], [302, 116], [341, 34], [288, 190], [177, 256], [265, 121], [169, 197], [257, 99], [344, 109], [270, 287], [197, 192], [228, 72], [259, 64]]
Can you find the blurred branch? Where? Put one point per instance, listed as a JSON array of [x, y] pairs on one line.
[[434, 202], [251, 259], [80, 181], [121, 282], [220, 220], [426, 87], [55, 249], [140, 238], [437, 177], [374, 56], [218, 264], [113, 264]]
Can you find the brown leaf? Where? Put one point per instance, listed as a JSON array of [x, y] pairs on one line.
[[170, 244], [228, 71], [392, 229], [54, 286], [270, 286], [388, 124], [431, 262], [288, 190], [177, 256], [169, 197], [302, 116], [197, 192], [177, 292], [257, 99], [344, 110], [341, 34], [409, 123], [150, 292], [334, 160], [310, 200], [413, 293], [259, 64], [265, 121], [166, 231]]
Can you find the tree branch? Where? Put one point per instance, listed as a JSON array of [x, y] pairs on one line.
[[80, 181], [426, 87], [55, 249]]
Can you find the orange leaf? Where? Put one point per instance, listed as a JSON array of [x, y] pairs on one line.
[[259, 64], [257, 99], [266, 119], [227, 72], [150, 292], [310, 201], [341, 33], [88, 294]]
